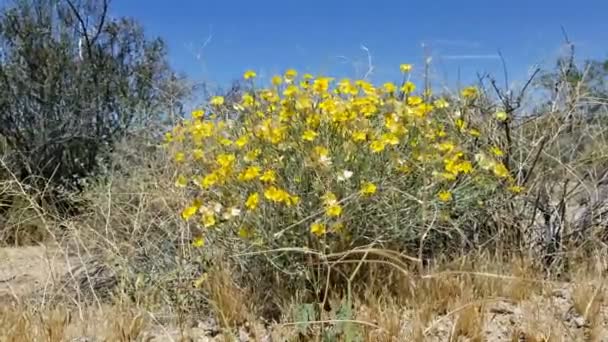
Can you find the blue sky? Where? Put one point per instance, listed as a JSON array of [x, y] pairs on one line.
[[215, 41]]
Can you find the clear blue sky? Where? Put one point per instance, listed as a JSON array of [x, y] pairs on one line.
[[326, 36]]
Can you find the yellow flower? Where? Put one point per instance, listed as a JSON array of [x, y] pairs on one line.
[[290, 74], [321, 151], [329, 198], [252, 201], [249, 74], [209, 219], [199, 113], [516, 189], [368, 189], [405, 68], [359, 136], [181, 181], [377, 146], [414, 100], [269, 176], [408, 87], [277, 80], [390, 139], [245, 232], [497, 151], [198, 154], [333, 210], [318, 229], [241, 141], [250, 173], [274, 194], [180, 157], [460, 124], [198, 242], [210, 180], [502, 116], [444, 196], [464, 167], [188, 212], [469, 92], [168, 137], [252, 155], [290, 91], [389, 87], [225, 160], [292, 200], [217, 100], [474, 132], [501, 171], [225, 141], [309, 135]]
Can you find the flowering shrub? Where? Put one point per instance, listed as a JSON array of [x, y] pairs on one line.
[[325, 164]]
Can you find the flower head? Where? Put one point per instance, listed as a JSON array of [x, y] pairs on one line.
[[444, 196], [252, 201], [318, 229], [405, 68], [249, 74], [217, 100], [368, 189]]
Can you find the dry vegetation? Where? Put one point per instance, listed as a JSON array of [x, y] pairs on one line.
[[527, 265]]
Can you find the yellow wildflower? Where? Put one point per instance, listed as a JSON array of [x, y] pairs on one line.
[[359, 136], [405, 68], [516, 189], [318, 229], [225, 160], [269, 176], [188, 212], [330, 198], [180, 157], [241, 141], [181, 182], [469, 92], [500, 170], [408, 87], [290, 74], [368, 189], [252, 201], [502, 116], [250, 173], [309, 135], [444, 196], [377, 146], [245, 232], [208, 219], [497, 151], [333, 210], [389, 87], [277, 80], [198, 242], [217, 100], [390, 139], [249, 74], [199, 113], [210, 180]]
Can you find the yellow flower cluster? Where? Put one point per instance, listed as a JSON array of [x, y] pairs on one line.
[[315, 144]]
